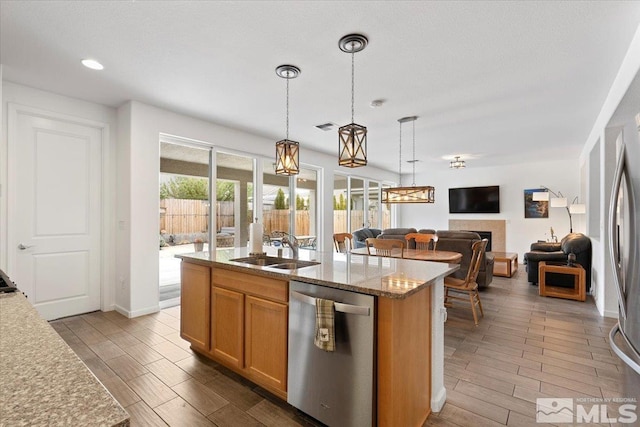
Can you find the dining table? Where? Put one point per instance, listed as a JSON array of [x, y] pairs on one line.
[[418, 254]]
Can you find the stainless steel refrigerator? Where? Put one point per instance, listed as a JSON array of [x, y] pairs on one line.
[[624, 252]]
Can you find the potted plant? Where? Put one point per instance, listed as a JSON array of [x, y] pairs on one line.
[[198, 243]]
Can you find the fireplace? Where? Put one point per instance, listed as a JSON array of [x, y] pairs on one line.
[[496, 228], [484, 235]]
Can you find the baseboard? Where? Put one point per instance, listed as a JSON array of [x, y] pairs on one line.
[[611, 313], [121, 310], [437, 401], [147, 310]]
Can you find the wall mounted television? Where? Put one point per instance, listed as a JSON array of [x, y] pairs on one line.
[[475, 199]]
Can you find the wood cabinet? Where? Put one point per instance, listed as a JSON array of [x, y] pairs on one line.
[[195, 304], [266, 342], [404, 360], [239, 320], [227, 326]]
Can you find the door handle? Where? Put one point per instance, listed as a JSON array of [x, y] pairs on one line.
[[338, 306], [618, 178], [23, 247]]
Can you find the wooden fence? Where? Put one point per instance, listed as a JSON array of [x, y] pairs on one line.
[[278, 220], [357, 219], [181, 216]]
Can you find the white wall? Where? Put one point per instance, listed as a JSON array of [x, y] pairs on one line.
[[23, 95], [606, 131], [132, 166], [558, 175], [138, 204]]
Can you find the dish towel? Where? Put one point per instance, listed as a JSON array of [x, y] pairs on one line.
[[325, 337]]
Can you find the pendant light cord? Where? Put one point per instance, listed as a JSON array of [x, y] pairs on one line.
[[353, 80], [413, 164], [287, 79], [400, 159]]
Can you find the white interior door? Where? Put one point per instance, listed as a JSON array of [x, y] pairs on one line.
[[55, 221]]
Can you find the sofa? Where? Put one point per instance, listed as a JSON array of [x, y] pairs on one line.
[[399, 234], [462, 241], [576, 243], [455, 241], [362, 234]]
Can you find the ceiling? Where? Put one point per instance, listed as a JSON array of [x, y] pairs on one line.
[[495, 82]]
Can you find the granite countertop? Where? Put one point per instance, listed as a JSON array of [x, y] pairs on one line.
[[372, 275], [42, 381]]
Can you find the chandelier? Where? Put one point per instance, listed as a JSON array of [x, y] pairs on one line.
[[413, 194]]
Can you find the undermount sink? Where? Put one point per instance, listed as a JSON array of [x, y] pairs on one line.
[[263, 260], [293, 264], [276, 262]]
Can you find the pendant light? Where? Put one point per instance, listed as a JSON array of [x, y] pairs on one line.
[[287, 152], [352, 138], [413, 194], [457, 163]]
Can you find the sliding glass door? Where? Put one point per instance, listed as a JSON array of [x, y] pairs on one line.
[[184, 211], [357, 204], [234, 199]]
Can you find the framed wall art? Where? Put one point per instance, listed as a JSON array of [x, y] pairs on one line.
[[535, 208]]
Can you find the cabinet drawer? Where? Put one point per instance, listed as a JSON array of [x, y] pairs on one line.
[[265, 287]]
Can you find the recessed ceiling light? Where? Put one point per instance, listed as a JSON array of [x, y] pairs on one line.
[[376, 103], [93, 64]]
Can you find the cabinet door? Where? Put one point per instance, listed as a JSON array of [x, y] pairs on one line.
[[266, 342], [227, 326], [194, 304]]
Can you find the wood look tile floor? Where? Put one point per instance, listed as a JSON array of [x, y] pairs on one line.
[[525, 347]]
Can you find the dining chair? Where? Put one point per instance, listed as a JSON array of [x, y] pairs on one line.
[[469, 286], [342, 242], [423, 240], [384, 247]]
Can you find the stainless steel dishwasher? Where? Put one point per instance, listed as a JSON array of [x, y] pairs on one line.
[[336, 387]]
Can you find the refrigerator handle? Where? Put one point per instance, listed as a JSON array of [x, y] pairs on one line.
[[621, 354], [613, 235]]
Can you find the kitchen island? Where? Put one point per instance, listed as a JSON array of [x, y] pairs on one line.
[[236, 314]]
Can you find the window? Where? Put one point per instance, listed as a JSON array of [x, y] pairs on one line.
[[234, 199], [306, 208], [356, 204], [276, 212], [373, 210], [340, 197]]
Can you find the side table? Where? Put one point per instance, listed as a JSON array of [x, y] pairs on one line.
[[505, 264], [578, 292]]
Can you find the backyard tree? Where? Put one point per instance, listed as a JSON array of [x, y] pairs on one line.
[[301, 204], [182, 187], [224, 191], [280, 202], [342, 204]]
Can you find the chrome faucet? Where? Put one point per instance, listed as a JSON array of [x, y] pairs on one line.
[[290, 240]]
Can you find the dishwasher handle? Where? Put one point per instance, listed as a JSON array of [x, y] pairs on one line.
[[339, 307]]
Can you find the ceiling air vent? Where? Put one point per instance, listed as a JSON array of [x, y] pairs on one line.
[[327, 126]]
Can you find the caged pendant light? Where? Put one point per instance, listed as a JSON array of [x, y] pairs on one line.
[[287, 152], [457, 163], [413, 194], [352, 138]]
